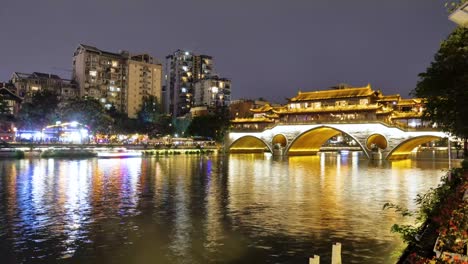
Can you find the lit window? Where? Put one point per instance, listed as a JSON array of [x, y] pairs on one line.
[[364, 101], [103, 100], [214, 89], [115, 64], [317, 104], [341, 103], [93, 73], [184, 90]]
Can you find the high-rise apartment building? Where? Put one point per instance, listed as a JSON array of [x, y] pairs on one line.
[[117, 80], [212, 92], [144, 79], [101, 75], [183, 70]]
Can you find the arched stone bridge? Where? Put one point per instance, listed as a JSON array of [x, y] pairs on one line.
[[307, 139]]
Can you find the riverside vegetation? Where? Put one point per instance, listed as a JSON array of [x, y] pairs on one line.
[[441, 222]]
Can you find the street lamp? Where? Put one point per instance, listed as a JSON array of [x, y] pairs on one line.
[[460, 15]]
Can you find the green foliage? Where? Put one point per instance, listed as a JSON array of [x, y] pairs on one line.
[[213, 126], [464, 164], [181, 126], [452, 5], [150, 110], [121, 124], [151, 119], [72, 153], [431, 205], [39, 111], [444, 84], [87, 111]]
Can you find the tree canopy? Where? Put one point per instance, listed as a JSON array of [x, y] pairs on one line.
[[151, 118], [213, 126], [445, 85], [87, 111], [39, 110]]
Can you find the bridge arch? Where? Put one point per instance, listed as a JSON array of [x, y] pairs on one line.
[[279, 139], [404, 148], [248, 144], [310, 141], [378, 140]]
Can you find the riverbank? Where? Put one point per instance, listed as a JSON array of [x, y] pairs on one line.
[[442, 238], [100, 152]]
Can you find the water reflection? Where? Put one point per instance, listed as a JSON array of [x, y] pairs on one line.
[[205, 209]]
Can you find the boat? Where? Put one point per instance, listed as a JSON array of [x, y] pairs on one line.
[[119, 153]]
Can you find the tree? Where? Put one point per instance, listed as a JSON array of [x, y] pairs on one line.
[[121, 123], [150, 110], [39, 111], [86, 111], [151, 117], [445, 86], [213, 126]]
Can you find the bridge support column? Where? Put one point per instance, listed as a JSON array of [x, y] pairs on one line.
[[278, 151], [375, 155]]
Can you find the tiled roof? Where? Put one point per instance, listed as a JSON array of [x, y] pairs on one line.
[[252, 120], [409, 102], [329, 109], [392, 97], [9, 93], [94, 49], [333, 94], [45, 75], [90, 48], [405, 115], [22, 75], [262, 109]]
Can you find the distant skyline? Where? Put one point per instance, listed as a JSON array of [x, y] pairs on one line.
[[268, 48]]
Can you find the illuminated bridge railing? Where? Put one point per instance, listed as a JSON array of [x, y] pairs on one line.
[[326, 122]]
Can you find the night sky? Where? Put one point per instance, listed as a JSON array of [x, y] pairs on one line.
[[269, 48]]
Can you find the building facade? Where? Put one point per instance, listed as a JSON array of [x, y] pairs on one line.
[[28, 83], [183, 69], [242, 108], [350, 104], [144, 79], [118, 80], [101, 75], [212, 92]]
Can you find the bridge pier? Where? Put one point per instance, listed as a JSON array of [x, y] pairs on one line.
[[375, 155]]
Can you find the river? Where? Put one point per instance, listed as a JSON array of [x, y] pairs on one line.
[[206, 209]]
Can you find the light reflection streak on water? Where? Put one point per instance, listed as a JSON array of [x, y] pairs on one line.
[[182, 221], [330, 206], [213, 225], [77, 205], [207, 209]]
